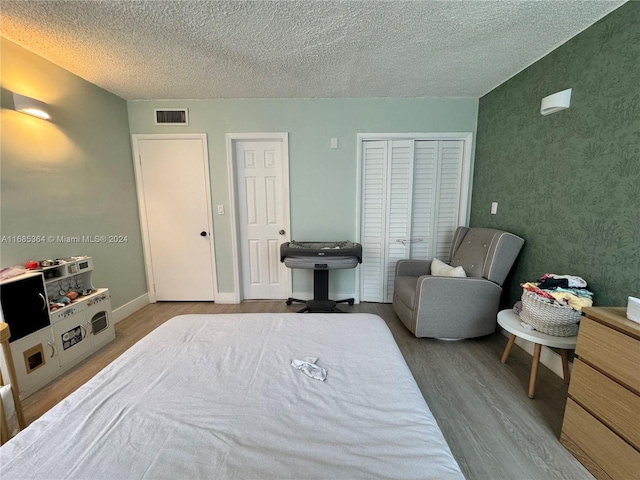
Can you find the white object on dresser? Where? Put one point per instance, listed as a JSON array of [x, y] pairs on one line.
[[633, 309]]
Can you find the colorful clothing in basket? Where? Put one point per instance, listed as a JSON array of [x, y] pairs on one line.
[[567, 290]]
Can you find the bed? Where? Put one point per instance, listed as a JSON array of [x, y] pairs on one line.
[[216, 396]]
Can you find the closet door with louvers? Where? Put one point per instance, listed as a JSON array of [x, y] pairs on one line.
[[374, 220], [410, 206], [436, 199]]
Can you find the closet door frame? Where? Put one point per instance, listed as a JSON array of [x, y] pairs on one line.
[[465, 188]]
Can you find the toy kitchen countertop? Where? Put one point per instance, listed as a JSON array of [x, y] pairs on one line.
[[80, 304]]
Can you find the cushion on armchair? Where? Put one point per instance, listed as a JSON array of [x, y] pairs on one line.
[[441, 269]]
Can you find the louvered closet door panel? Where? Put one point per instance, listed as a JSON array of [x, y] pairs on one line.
[[400, 184], [374, 208], [424, 197], [448, 196], [410, 206]]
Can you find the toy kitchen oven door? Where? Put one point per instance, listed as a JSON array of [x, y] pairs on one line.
[[83, 327]]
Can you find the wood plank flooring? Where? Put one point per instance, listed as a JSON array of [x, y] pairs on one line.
[[494, 430]]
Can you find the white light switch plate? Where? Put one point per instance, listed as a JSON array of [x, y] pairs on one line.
[[220, 209], [494, 208], [334, 142]]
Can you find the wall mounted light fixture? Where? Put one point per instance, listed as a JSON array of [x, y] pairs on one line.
[[556, 102], [30, 106]]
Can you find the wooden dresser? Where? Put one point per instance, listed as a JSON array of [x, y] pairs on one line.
[[601, 426]]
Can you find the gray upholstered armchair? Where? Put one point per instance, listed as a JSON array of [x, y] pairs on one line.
[[452, 307]]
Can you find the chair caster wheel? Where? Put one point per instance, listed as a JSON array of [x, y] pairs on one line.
[[351, 302], [288, 302]]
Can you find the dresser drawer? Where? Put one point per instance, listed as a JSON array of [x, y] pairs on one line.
[[597, 447], [610, 351], [613, 404]]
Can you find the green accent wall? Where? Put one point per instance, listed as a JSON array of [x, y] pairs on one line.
[[68, 177], [569, 183], [322, 180]]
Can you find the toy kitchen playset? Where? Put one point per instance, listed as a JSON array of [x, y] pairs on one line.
[[56, 318]]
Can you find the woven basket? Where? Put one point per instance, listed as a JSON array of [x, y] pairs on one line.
[[549, 318]]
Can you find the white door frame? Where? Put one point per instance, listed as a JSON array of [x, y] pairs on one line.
[[142, 209], [465, 193], [233, 200]]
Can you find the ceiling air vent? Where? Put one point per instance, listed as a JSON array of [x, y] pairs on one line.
[[172, 116]]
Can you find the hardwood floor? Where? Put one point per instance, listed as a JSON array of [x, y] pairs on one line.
[[494, 430]]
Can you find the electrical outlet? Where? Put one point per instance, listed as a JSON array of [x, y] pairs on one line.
[[220, 209]]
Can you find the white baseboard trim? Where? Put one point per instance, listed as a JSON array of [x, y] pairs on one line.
[[549, 358], [227, 298], [129, 308]]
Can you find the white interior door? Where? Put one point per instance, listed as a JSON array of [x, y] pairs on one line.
[[263, 215], [412, 201], [173, 190]]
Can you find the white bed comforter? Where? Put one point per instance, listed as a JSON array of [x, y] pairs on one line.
[[216, 397]]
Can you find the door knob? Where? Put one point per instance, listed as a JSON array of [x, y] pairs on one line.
[[203, 234], [281, 232]]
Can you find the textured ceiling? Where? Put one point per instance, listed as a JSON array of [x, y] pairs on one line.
[[296, 49]]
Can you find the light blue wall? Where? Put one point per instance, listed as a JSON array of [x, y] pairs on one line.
[[322, 180], [71, 176]]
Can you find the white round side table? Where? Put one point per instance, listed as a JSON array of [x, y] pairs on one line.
[[511, 322]]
